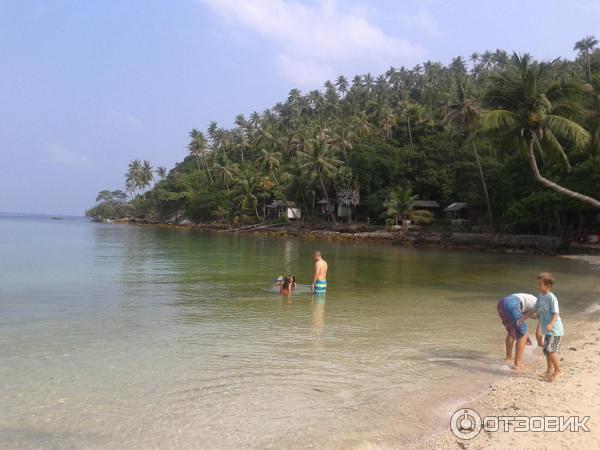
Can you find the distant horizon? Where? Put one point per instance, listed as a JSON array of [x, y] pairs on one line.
[[30, 214], [87, 87]]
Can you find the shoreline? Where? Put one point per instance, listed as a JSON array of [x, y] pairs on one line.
[[575, 393], [415, 238]]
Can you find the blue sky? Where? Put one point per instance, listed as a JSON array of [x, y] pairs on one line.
[[86, 86]]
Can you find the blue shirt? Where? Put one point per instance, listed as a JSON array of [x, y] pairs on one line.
[[546, 307]]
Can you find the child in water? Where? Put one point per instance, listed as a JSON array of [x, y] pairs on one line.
[[286, 286]]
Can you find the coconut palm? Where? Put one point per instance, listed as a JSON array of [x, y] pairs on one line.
[[399, 204], [342, 85], [521, 108], [463, 116], [269, 162], [319, 163], [146, 175], [198, 148], [224, 173], [585, 48], [161, 172], [132, 176], [245, 193]]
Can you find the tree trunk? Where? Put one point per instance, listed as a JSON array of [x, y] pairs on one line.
[[409, 131], [485, 189], [555, 187], [327, 199], [206, 169], [589, 64]]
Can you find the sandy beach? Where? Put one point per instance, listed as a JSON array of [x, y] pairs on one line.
[[575, 393]]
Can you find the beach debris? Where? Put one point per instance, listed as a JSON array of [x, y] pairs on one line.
[[573, 349]]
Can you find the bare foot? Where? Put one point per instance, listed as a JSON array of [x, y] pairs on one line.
[[520, 368], [544, 376], [555, 375], [508, 361]]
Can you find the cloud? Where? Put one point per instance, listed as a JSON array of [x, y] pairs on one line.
[[422, 21], [57, 154], [317, 40]]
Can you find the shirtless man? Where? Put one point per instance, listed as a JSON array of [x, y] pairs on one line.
[[319, 285]]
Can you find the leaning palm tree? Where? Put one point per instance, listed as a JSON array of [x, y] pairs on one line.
[[585, 48], [463, 117], [320, 163], [521, 109]]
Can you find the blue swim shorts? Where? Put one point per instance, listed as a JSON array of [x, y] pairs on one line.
[[320, 287], [509, 309]]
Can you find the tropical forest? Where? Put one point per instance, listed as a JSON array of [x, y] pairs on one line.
[[514, 139]]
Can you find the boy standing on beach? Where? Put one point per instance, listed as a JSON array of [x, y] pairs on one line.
[[552, 328]]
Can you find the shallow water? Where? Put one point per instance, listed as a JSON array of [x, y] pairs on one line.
[[121, 336]]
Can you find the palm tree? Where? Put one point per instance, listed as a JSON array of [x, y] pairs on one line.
[[463, 116], [319, 163], [224, 173], [245, 193], [521, 109], [404, 108], [146, 175], [132, 176], [593, 119], [342, 85], [161, 172], [399, 203], [198, 148], [585, 48], [269, 162]]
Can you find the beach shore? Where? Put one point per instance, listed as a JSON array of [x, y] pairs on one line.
[[575, 393], [416, 237]]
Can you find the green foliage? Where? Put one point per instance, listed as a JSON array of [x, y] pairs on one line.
[[421, 217], [463, 132]]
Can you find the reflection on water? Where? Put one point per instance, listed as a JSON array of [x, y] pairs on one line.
[[137, 337]]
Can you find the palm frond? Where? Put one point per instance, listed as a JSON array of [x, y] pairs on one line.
[[498, 119], [551, 142], [568, 129]]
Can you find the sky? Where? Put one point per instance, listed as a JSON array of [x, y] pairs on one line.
[[87, 86]]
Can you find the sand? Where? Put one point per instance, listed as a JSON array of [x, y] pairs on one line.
[[575, 393]]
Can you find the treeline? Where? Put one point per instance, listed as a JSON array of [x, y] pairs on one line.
[[516, 139]]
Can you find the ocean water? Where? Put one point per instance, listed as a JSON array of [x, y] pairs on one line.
[[124, 336]]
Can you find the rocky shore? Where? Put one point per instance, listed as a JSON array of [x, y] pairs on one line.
[[414, 237]]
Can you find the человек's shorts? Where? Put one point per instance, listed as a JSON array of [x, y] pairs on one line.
[[320, 287], [551, 344], [509, 310]]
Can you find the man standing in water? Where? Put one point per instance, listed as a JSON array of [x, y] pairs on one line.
[[319, 285]]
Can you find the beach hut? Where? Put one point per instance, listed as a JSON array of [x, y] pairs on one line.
[[457, 212], [428, 205], [280, 209]]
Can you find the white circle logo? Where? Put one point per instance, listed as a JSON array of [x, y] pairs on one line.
[[465, 423]]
